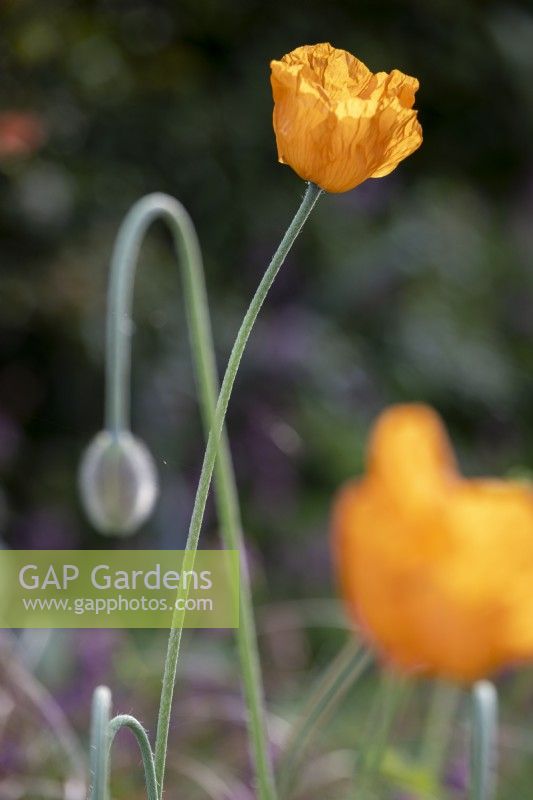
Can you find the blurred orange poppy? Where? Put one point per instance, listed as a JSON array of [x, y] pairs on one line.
[[436, 568], [336, 122]]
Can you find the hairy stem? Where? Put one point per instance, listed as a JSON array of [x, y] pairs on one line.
[[118, 361], [127, 721], [247, 647]]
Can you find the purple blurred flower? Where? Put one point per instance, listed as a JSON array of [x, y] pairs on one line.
[[457, 775]]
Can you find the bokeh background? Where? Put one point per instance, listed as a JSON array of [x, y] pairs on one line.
[[418, 286]]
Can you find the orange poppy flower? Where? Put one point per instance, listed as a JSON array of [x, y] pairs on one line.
[[336, 122], [435, 567]]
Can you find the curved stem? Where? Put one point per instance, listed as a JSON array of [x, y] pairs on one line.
[[332, 686], [99, 755], [484, 727], [249, 658], [127, 721]]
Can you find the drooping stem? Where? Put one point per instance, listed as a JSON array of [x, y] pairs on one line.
[[331, 688], [247, 647], [484, 727], [127, 721], [118, 362], [124, 262]]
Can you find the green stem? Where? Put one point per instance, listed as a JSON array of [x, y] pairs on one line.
[[443, 707], [247, 641], [484, 728], [127, 721], [389, 697], [99, 751], [332, 686], [118, 361]]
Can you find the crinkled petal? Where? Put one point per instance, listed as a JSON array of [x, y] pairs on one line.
[[337, 123]]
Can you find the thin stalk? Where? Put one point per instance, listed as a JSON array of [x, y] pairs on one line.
[[127, 721], [443, 707], [118, 362], [388, 700], [99, 751], [484, 729], [247, 648], [41, 701], [329, 691]]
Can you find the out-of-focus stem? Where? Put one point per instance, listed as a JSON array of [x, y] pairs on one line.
[[443, 707], [332, 686], [99, 750], [391, 694], [484, 731], [27, 686]]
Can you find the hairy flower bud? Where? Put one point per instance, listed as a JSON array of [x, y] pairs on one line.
[[118, 483]]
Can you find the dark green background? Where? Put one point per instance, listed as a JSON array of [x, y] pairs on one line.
[[418, 286]]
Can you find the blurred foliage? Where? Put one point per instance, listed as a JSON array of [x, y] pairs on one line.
[[414, 287]]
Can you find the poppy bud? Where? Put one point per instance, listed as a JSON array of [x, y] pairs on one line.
[[118, 483]]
